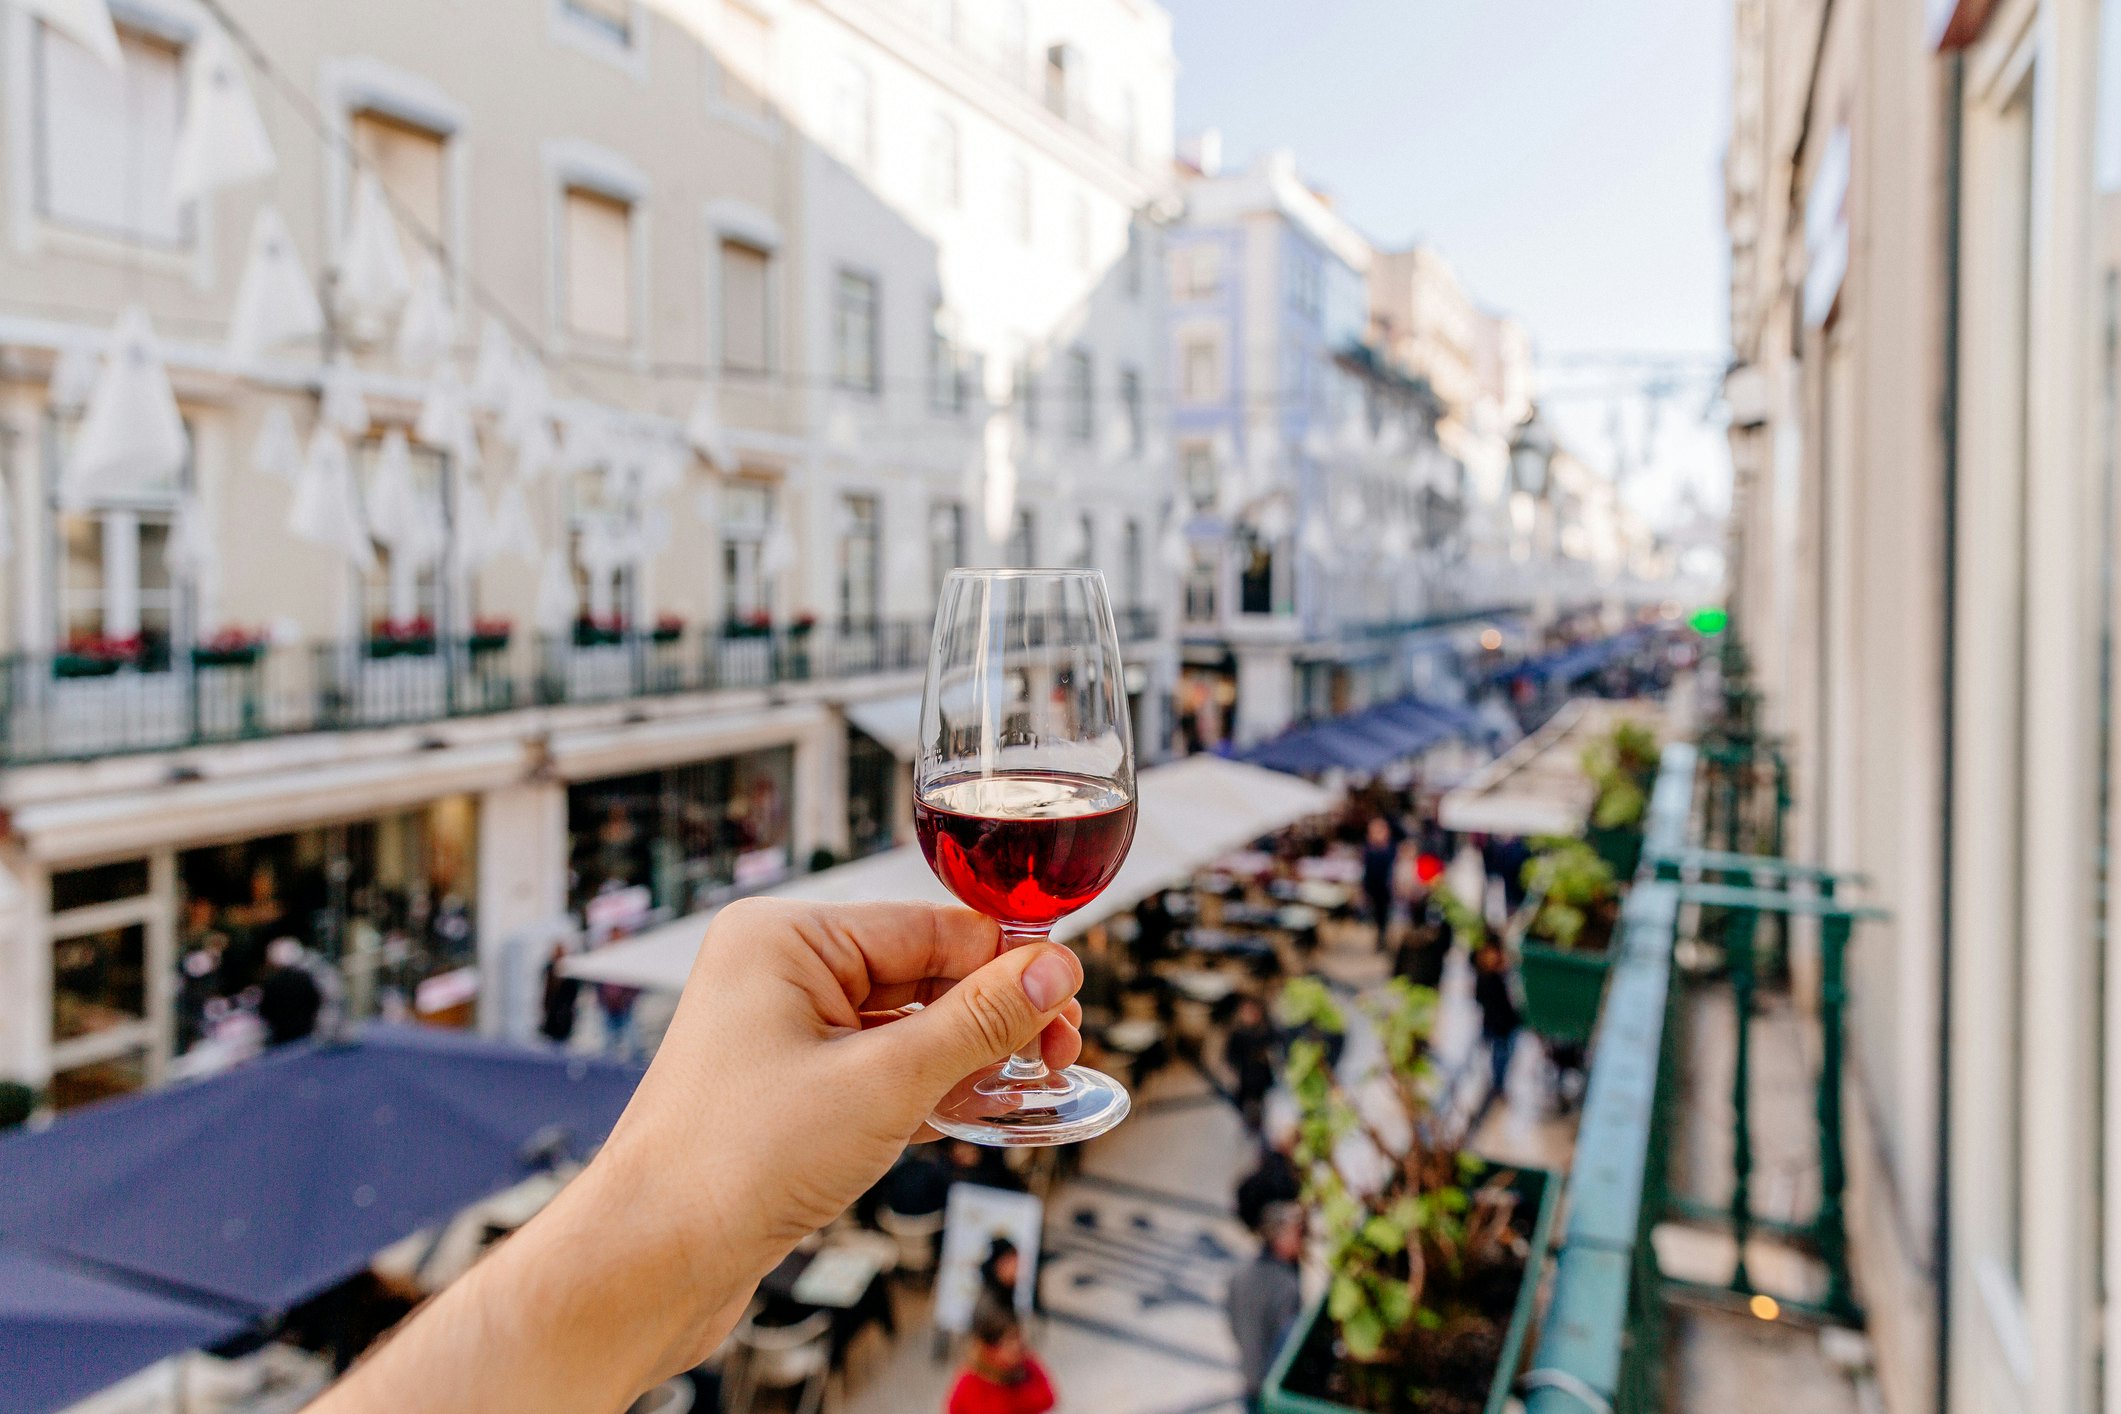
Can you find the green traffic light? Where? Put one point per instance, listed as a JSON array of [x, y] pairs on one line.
[[1709, 620]]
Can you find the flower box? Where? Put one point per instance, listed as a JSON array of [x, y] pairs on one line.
[[86, 665], [588, 633], [1313, 1371], [667, 630], [227, 655], [1562, 990]]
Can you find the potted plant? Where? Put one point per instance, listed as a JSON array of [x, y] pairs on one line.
[[593, 632], [1433, 1254], [669, 628], [756, 624], [489, 635], [394, 638], [230, 648], [802, 624], [1572, 906], [1623, 765], [95, 655]]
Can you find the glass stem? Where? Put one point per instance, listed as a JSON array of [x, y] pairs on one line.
[[1029, 1062]]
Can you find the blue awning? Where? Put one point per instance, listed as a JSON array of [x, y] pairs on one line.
[[1579, 660], [272, 1182], [67, 1331], [1368, 741]]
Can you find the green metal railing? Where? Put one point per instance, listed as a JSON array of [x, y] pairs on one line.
[[1602, 1345], [1602, 1349]]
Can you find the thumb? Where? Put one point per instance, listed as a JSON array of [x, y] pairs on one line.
[[992, 1012]]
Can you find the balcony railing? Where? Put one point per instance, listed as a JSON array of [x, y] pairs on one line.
[[67, 706]]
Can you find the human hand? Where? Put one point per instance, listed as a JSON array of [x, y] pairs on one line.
[[788, 1081]]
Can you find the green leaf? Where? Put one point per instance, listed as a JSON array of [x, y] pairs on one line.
[[1343, 1299], [1395, 1303], [1364, 1334], [1428, 1320], [1385, 1235]]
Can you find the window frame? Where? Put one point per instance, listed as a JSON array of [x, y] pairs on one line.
[[572, 26], [871, 383], [574, 165]]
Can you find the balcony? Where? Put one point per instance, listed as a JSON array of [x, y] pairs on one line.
[[67, 707]]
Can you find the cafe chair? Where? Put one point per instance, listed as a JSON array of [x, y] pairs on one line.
[[797, 1357], [916, 1238]]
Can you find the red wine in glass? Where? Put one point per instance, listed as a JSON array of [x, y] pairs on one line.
[[1026, 848]]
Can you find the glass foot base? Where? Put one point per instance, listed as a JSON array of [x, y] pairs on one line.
[[1063, 1107]]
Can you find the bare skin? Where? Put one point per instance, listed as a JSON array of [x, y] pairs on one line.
[[790, 1079]]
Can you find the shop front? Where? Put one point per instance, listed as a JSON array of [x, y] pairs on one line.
[[691, 835], [159, 962], [385, 903]]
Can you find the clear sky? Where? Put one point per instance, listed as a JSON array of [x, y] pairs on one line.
[[1563, 153]]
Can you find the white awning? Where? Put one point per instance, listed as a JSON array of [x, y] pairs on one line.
[[1192, 811], [1538, 786], [894, 721]]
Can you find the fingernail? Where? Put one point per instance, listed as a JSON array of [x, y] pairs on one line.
[[1048, 981]]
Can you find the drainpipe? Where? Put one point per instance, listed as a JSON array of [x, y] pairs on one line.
[[1948, 417]]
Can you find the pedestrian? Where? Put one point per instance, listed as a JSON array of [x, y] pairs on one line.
[[288, 997], [1266, 1295], [1248, 1049], [615, 1003], [1499, 1022], [1275, 1179], [1378, 853], [1002, 1376], [562, 994]]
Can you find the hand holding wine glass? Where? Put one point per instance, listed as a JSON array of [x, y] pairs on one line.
[[1024, 801]]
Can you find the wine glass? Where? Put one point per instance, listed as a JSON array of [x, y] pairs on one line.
[[1024, 804]]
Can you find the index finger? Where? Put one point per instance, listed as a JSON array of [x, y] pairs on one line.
[[871, 946]]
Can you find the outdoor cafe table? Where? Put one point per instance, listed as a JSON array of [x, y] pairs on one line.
[[856, 1296], [1226, 942], [1200, 985]]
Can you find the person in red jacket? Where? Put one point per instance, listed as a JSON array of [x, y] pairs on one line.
[[1002, 1377]]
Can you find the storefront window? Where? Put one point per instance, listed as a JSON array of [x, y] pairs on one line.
[[99, 980], [99, 883], [378, 906], [689, 834], [872, 772]]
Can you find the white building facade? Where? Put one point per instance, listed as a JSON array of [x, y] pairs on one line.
[[739, 357]]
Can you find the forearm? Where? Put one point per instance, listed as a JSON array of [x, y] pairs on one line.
[[588, 1304]]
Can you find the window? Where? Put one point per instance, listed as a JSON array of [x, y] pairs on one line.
[[99, 981], [1130, 267], [859, 539], [1200, 585], [747, 518], [1130, 565], [943, 176], [946, 543], [1023, 541], [854, 332], [403, 590], [611, 18], [1079, 241], [1063, 78], [1130, 407], [412, 164], [746, 59], [106, 138], [1255, 581], [946, 373], [1200, 376], [746, 314], [1026, 391], [1306, 278], [1086, 541], [853, 114], [1196, 462], [1196, 271], [1016, 200], [1082, 396], [597, 266], [114, 581], [113, 571]]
